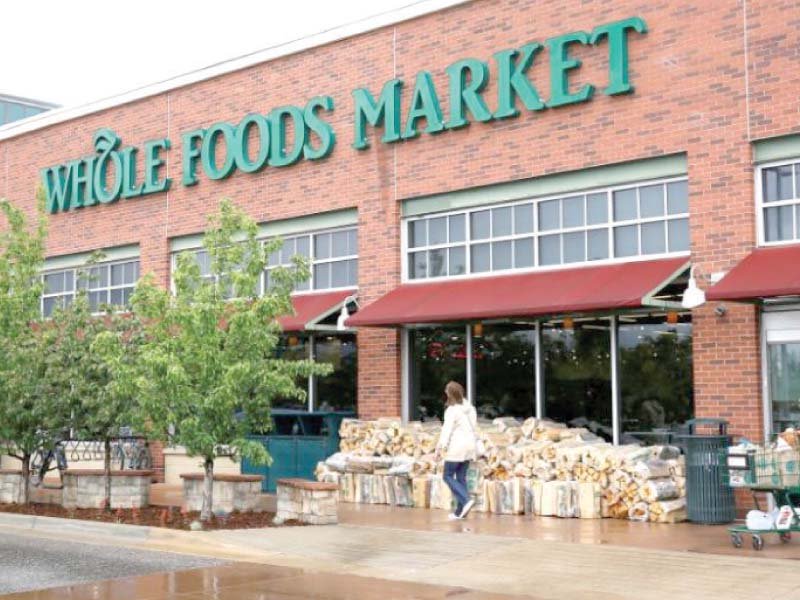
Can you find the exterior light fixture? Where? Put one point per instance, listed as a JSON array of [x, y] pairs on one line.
[[569, 323], [341, 322], [672, 318], [477, 330], [693, 296]]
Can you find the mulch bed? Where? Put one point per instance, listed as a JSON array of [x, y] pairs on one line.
[[154, 516]]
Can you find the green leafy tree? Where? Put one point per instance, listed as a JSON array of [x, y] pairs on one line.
[[208, 367], [29, 412], [91, 363]]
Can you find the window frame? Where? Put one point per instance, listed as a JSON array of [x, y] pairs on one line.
[[610, 225], [760, 205], [75, 289]]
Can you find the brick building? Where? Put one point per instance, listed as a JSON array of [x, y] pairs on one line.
[[524, 221]]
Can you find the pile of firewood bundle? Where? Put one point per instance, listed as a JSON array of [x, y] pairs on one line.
[[536, 466]]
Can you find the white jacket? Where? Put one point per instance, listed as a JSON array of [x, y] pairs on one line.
[[457, 440]]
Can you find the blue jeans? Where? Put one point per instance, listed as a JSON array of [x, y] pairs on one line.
[[455, 476]]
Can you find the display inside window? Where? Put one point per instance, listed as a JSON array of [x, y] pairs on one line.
[[655, 371], [293, 346], [780, 199], [577, 374], [339, 390], [616, 223], [505, 370], [439, 355], [784, 385], [106, 285]]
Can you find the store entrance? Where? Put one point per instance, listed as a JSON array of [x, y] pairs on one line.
[[782, 364]]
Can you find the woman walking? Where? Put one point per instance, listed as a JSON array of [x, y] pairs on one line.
[[457, 443]]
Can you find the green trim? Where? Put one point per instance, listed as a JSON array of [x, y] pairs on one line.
[[618, 174], [70, 261], [777, 148], [305, 224]]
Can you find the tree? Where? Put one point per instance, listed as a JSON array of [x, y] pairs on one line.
[[91, 365], [28, 410], [208, 369]]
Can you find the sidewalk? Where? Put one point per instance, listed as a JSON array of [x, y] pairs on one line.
[[506, 564]]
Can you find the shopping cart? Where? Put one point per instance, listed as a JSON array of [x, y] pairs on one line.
[[769, 471]]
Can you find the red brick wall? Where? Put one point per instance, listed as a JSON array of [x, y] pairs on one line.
[[689, 77]]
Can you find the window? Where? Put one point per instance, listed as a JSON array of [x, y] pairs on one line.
[[332, 258], [614, 223], [779, 203], [107, 284]]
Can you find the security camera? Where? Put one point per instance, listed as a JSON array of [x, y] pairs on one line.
[[721, 310]]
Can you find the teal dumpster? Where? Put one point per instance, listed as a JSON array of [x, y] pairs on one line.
[[297, 441]]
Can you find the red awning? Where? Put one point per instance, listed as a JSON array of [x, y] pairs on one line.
[[764, 273], [584, 289], [309, 309]]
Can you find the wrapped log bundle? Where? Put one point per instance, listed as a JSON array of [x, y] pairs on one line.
[[534, 466]]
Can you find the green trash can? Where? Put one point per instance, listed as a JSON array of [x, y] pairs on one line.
[[709, 499]]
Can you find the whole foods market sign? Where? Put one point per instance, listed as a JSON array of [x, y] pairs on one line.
[[289, 134]]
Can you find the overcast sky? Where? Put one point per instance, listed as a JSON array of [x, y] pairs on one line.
[[74, 51]]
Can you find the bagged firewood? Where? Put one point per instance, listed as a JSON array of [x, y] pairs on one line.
[[666, 452], [589, 496], [480, 495], [401, 465], [381, 464], [639, 511], [507, 497], [655, 490], [671, 511], [529, 427], [558, 499], [421, 491], [347, 488], [387, 482], [359, 464], [504, 423], [651, 469], [337, 462], [677, 466], [402, 491], [441, 496]]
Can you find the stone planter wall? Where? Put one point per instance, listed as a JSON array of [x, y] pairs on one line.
[[230, 492], [11, 488], [177, 462], [310, 502], [87, 489]]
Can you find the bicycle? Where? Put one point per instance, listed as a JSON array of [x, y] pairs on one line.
[[131, 453], [42, 460]]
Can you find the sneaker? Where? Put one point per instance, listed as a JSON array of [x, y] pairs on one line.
[[453, 517], [467, 507]]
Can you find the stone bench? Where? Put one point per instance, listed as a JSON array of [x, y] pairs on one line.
[[11, 488], [310, 502], [86, 488], [230, 492]]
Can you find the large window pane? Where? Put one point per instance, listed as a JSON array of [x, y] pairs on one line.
[[523, 218], [777, 183], [574, 247], [573, 211], [322, 276], [653, 238], [340, 244], [651, 201], [523, 253], [784, 385], [418, 265], [505, 363], [437, 231], [678, 231], [501, 256], [337, 391], [678, 197], [292, 347], [597, 208], [480, 225], [480, 258], [322, 245], [339, 274], [778, 223], [437, 263], [625, 205], [549, 215], [550, 250], [626, 241], [501, 221], [418, 233], [577, 375], [655, 370], [437, 357], [458, 231], [457, 261], [597, 244]]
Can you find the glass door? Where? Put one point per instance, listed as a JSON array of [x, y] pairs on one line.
[[782, 377]]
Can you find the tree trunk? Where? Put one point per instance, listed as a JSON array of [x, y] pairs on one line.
[[208, 489], [107, 469], [26, 478]]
